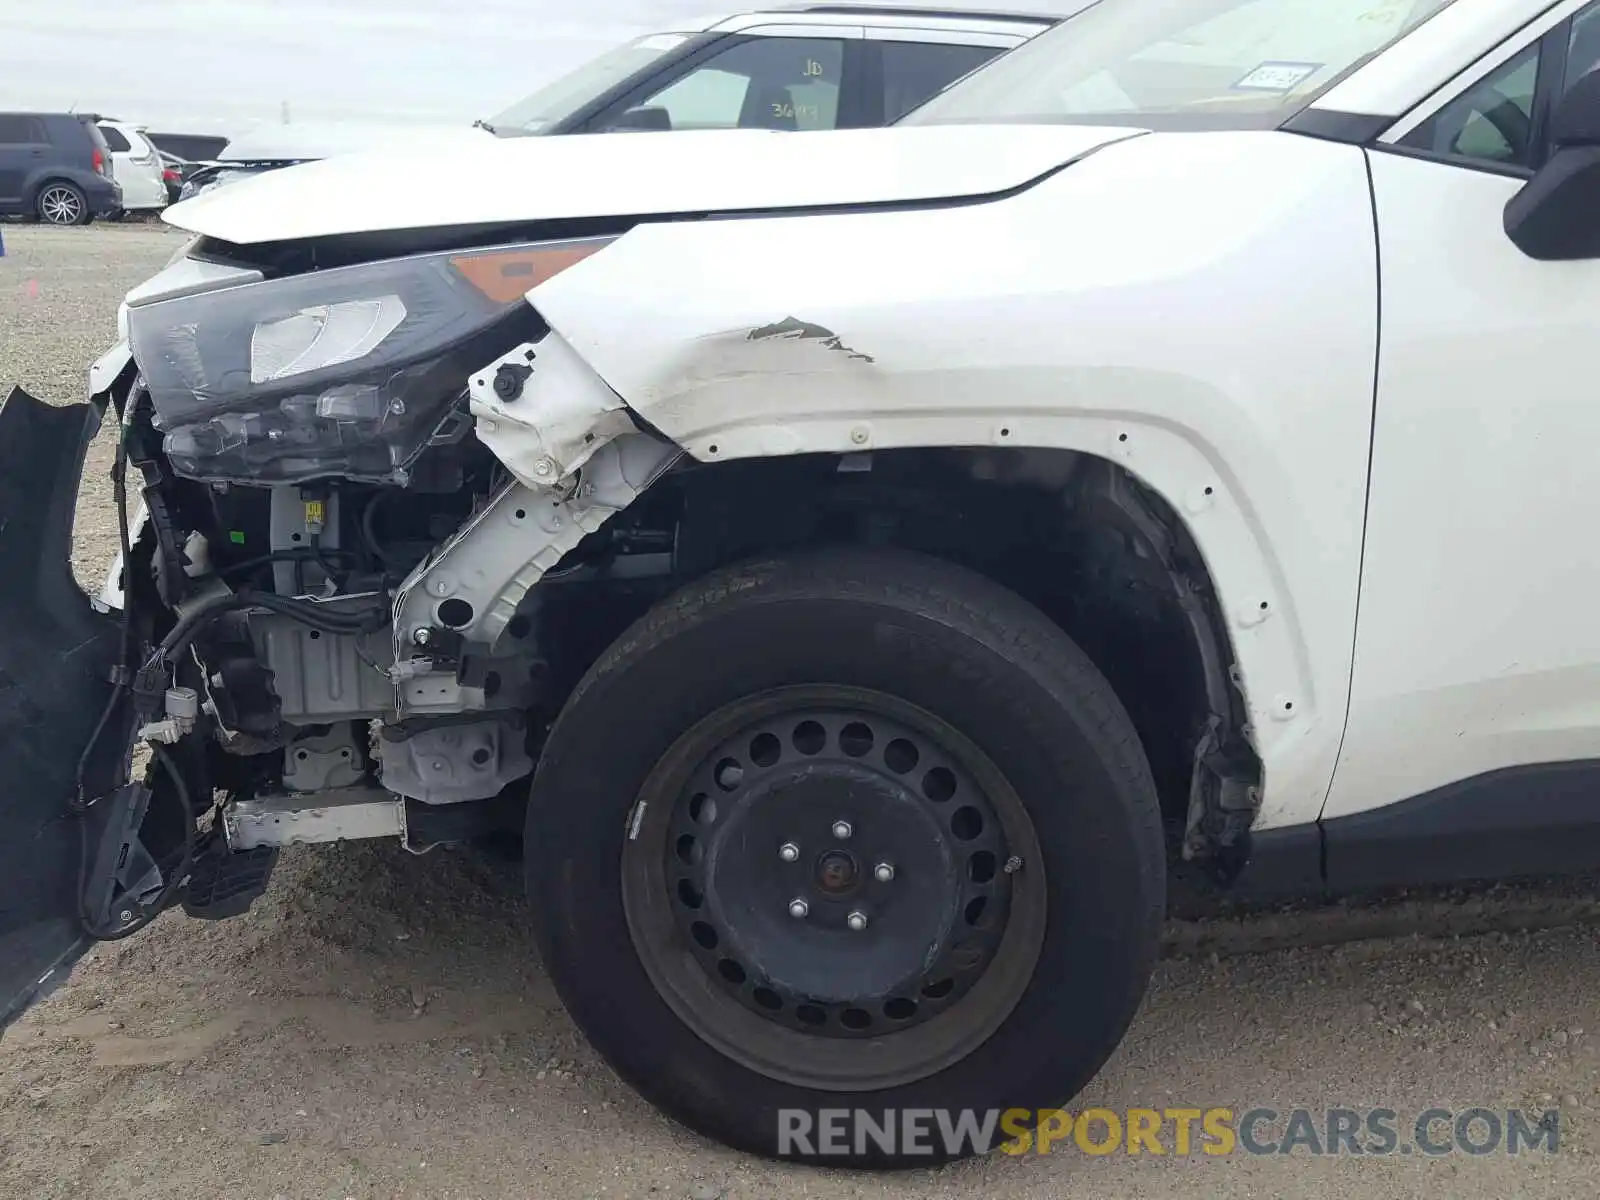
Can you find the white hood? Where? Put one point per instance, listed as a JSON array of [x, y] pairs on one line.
[[492, 180], [316, 140]]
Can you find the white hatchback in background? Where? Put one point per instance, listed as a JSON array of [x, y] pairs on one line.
[[137, 167]]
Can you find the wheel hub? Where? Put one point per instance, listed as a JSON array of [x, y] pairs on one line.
[[837, 872]]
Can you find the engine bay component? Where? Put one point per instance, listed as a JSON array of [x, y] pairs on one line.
[[544, 412], [324, 761], [182, 710], [305, 536], [449, 764], [320, 676], [343, 815], [473, 586]]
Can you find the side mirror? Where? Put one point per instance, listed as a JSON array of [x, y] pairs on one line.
[[1556, 215], [651, 119]]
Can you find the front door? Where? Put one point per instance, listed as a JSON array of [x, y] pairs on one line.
[[22, 151], [1477, 658]]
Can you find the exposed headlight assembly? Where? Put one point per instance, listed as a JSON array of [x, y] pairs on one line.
[[346, 372]]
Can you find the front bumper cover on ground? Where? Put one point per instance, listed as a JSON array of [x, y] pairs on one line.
[[56, 655]]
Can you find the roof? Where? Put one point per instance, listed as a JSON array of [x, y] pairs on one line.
[[1015, 22], [896, 10]]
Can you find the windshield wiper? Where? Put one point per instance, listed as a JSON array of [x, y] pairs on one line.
[[480, 123]]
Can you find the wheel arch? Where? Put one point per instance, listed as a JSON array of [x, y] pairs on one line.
[[1105, 558], [48, 176]]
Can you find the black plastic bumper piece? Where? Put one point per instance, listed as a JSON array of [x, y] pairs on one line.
[[225, 883], [56, 655]]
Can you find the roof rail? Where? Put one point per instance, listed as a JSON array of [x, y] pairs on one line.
[[896, 10]]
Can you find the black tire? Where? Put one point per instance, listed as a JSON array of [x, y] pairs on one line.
[[939, 640], [62, 203]]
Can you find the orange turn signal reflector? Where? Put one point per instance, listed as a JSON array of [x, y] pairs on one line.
[[505, 276]]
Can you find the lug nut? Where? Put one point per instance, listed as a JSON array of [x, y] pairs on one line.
[[883, 872], [798, 908], [842, 830], [857, 921], [789, 852]]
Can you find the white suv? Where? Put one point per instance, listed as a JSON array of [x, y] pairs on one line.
[[817, 66], [136, 166], [813, 66]]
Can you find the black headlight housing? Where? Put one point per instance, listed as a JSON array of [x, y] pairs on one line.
[[346, 372]]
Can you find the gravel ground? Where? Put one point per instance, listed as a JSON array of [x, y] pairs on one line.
[[59, 291], [379, 1025]]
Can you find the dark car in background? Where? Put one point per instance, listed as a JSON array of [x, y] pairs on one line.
[[191, 147], [55, 167], [175, 172]]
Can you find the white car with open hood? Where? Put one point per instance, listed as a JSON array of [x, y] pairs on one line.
[[858, 562]]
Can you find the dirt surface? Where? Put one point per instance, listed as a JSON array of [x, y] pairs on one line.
[[379, 1026]]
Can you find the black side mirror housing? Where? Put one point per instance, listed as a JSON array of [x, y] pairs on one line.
[[650, 119], [1556, 215]]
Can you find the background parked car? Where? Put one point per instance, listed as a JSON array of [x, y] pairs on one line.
[[191, 147], [175, 172], [136, 166], [813, 66], [56, 167]]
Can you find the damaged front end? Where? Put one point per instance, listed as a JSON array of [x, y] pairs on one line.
[[322, 625]]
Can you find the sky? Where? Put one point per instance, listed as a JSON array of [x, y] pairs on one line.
[[224, 66]]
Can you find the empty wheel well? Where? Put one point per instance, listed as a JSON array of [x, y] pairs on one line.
[[1078, 536]]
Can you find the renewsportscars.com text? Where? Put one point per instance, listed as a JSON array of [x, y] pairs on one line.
[[1214, 1132]]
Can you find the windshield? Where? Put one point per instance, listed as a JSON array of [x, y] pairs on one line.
[[1180, 64], [558, 100]]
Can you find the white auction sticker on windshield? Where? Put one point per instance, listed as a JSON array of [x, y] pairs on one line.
[[1277, 76]]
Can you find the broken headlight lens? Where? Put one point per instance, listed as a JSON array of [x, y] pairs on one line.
[[323, 336], [345, 372]]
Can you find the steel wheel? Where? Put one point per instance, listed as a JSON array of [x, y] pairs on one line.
[[820, 878], [737, 954], [62, 204]]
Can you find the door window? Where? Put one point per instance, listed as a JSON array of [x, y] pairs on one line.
[[1496, 120], [764, 83], [1583, 47], [19, 130], [1490, 122], [114, 138], [916, 71]]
